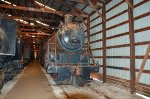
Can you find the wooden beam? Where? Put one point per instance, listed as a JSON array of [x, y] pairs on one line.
[[75, 10], [79, 1], [31, 9], [44, 34], [36, 36], [33, 26], [74, 13], [30, 35], [104, 43], [31, 18], [85, 2], [129, 2], [124, 45], [96, 10], [143, 64], [88, 43], [33, 30], [143, 88], [82, 10], [132, 49]]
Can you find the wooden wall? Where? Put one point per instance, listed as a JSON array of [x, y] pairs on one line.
[[119, 44]]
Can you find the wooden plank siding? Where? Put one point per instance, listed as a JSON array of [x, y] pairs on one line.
[[118, 35]]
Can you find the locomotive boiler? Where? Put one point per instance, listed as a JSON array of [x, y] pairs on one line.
[[10, 50], [66, 58]]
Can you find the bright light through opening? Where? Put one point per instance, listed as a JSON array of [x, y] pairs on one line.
[[21, 21], [33, 35], [44, 5], [31, 24], [42, 23], [8, 2], [9, 14], [35, 54]]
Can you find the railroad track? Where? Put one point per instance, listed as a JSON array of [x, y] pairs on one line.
[[107, 97], [68, 96]]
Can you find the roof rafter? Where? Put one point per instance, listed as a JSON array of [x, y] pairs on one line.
[[33, 30], [96, 10], [74, 11], [31, 9], [68, 6], [32, 19], [35, 33], [36, 26], [79, 1]]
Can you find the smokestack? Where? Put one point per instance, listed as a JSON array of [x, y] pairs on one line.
[[68, 18]]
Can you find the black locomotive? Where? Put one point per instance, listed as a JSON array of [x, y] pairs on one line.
[[10, 50], [66, 57]]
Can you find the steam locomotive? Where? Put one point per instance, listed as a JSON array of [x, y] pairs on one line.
[[66, 58], [10, 50]]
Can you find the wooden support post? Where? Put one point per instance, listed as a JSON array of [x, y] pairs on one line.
[[88, 32], [130, 4], [104, 43], [132, 49], [56, 49], [88, 43], [143, 64]]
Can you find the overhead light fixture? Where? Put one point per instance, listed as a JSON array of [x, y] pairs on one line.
[[42, 5], [42, 23], [21, 21], [9, 15], [31, 23], [41, 32], [8, 2], [34, 42], [14, 5], [33, 35]]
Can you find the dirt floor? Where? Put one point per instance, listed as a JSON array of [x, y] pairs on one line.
[[32, 85]]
